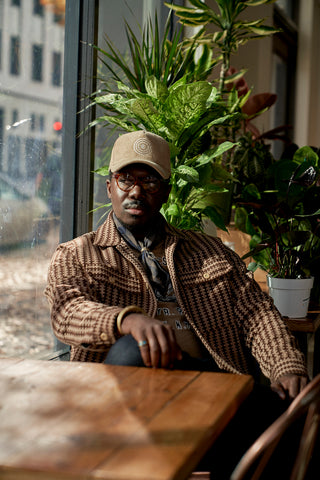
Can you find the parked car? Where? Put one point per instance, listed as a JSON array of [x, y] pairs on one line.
[[24, 218]]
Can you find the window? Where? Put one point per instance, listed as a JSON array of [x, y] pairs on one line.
[[15, 56], [58, 17], [56, 69], [37, 8], [32, 122], [16, 3], [41, 123], [14, 116], [37, 63], [30, 174]]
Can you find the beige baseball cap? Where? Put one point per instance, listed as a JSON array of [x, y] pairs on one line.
[[141, 147]]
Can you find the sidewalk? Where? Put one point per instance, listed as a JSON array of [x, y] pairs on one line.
[[25, 329]]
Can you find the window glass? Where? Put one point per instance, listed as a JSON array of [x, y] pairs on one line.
[[37, 63], [15, 56], [38, 7], [30, 172], [56, 69]]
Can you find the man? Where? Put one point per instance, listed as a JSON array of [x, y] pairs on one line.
[[140, 288], [140, 292]]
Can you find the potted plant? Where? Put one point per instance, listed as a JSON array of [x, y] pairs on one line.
[[283, 219]]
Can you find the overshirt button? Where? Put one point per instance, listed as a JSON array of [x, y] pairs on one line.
[[104, 336], [111, 280], [206, 275]]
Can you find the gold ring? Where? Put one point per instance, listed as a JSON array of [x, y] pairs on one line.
[[142, 343]]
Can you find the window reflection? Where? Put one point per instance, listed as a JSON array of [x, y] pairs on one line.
[[31, 52]]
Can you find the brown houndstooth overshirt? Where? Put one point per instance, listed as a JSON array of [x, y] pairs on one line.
[[93, 277]]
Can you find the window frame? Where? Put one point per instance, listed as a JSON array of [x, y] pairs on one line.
[[77, 142]]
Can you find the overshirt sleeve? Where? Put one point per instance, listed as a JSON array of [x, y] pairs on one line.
[[76, 319], [264, 330]]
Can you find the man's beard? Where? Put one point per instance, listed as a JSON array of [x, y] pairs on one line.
[[150, 226]]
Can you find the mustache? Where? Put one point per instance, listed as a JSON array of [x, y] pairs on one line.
[[133, 204]]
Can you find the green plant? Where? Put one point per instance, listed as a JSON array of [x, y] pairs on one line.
[[230, 31], [161, 86], [163, 56], [283, 219]]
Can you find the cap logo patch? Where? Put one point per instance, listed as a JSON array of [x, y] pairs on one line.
[[142, 146]]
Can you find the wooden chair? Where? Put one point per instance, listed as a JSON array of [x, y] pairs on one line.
[[257, 457]]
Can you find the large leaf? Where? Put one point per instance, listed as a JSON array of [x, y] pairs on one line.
[[188, 174], [173, 209], [144, 110], [156, 89], [209, 155], [306, 153], [186, 103]]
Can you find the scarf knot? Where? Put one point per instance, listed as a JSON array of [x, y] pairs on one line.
[[157, 275]]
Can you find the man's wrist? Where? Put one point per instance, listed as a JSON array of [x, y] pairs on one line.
[[126, 311]]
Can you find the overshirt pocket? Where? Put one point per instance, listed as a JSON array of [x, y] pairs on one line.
[[100, 275], [211, 270]]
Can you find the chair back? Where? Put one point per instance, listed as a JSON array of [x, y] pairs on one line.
[[255, 460]]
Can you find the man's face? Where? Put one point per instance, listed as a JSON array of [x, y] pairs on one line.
[[137, 207]]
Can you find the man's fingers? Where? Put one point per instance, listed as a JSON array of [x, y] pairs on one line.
[[289, 385], [145, 352], [161, 349], [277, 388], [155, 352]]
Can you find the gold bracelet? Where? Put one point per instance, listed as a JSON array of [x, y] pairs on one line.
[[125, 312]]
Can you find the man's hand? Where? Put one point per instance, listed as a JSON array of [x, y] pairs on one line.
[[161, 349], [289, 386]]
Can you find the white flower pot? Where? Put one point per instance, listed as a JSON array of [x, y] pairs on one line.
[[290, 296]]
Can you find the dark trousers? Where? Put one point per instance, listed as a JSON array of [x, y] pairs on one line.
[[257, 412], [126, 352]]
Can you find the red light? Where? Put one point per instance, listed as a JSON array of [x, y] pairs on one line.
[[57, 126]]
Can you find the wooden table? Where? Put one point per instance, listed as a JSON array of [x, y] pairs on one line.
[[62, 420], [307, 332]]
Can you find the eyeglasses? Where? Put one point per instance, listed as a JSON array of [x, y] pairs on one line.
[[127, 182]]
